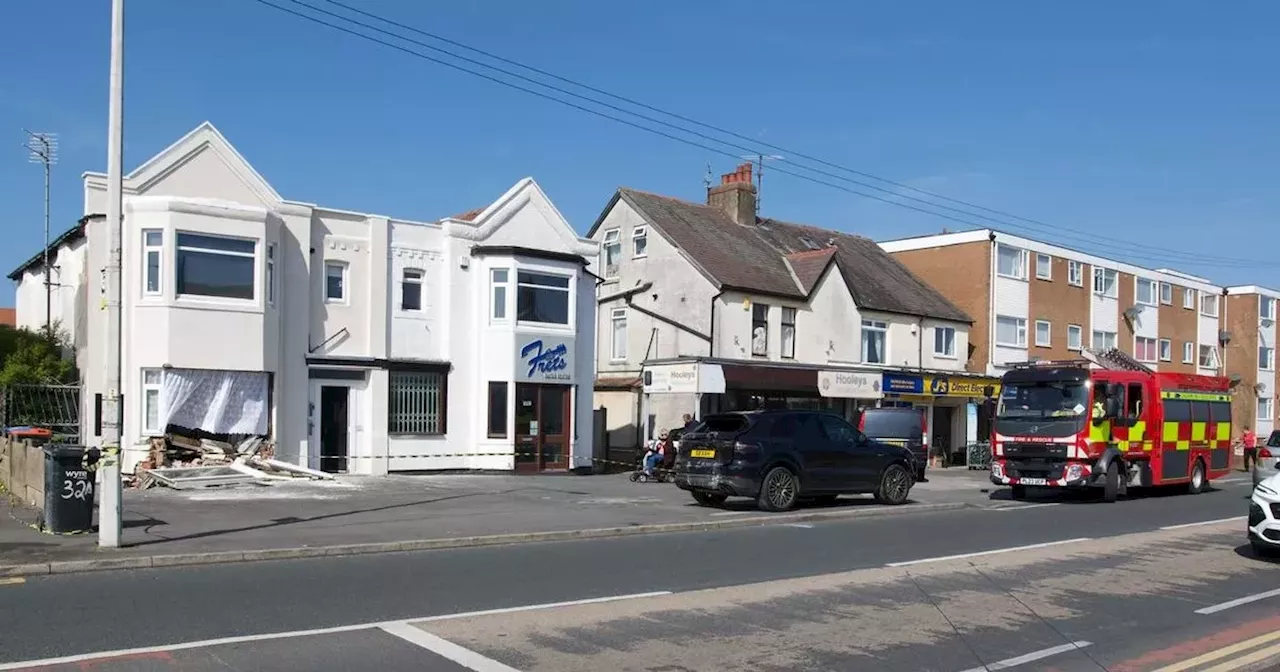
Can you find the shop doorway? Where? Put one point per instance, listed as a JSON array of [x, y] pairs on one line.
[[542, 427], [944, 441], [334, 428]]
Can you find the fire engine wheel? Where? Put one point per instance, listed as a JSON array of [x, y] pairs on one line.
[[1111, 483], [1196, 486]]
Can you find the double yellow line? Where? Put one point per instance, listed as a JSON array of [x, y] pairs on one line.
[[1235, 657]]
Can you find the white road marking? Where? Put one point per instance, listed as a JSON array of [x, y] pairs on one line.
[[13, 581], [803, 526], [1237, 602], [1233, 519], [1030, 657], [1020, 507], [318, 631], [962, 556], [443, 647], [731, 513], [1224, 652]]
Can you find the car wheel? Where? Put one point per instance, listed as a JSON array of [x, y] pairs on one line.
[[1111, 483], [709, 498], [895, 485], [1018, 492], [779, 491], [1198, 482]]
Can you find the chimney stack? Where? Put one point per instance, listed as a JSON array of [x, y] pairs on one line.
[[735, 195]]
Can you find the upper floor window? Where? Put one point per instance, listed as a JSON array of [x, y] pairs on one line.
[[1166, 294], [215, 266], [1044, 267], [271, 273], [1011, 331], [1011, 262], [542, 297], [1189, 298], [875, 342], [1266, 358], [335, 282], [1104, 340], [612, 247], [759, 329], [1145, 349], [1209, 305], [1147, 291], [1266, 308], [1208, 357], [411, 289], [153, 250], [1075, 273], [499, 278], [788, 333], [1104, 281], [1166, 350], [618, 322], [944, 341], [1188, 352], [639, 241], [1075, 337]]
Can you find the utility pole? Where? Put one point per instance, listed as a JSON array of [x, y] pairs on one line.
[[112, 409], [759, 160], [42, 148]]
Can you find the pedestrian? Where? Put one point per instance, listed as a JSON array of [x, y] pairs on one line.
[[1250, 441], [689, 423]]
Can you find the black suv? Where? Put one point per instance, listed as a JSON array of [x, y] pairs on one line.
[[898, 426], [780, 458]]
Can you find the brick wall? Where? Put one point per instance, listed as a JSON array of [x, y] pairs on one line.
[[1242, 357], [962, 273], [1060, 303], [1124, 330], [1180, 326]]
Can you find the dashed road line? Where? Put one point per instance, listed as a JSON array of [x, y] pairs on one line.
[[803, 526], [12, 581], [962, 556], [1233, 519], [1030, 657], [1238, 602], [1020, 507]]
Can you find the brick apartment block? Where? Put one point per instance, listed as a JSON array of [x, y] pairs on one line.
[[1251, 355]]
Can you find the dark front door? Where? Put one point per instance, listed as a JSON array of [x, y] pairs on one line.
[[333, 428], [542, 427]]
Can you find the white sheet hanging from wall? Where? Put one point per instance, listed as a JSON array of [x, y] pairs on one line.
[[219, 402]]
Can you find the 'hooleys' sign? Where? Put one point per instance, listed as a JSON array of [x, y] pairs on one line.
[[544, 359]]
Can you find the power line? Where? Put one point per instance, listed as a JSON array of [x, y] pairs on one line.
[[1092, 240]]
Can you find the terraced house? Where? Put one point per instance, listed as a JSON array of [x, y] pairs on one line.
[[707, 307]]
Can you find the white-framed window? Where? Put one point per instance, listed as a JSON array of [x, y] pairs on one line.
[[1103, 340], [1044, 267], [944, 341], [1147, 291], [639, 242], [1266, 308], [1208, 304], [271, 273], [411, 289], [215, 266], [875, 342], [151, 384], [1188, 353], [499, 280], [1166, 294], [1144, 349], [1166, 350], [760, 329], [1011, 331], [1265, 409], [1011, 262], [153, 266], [788, 340], [1075, 337], [1208, 357], [618, 334], [335, 282], [612, 248], [542, 298], [1188, 298], [1266, 358], [1044, 333], [416, 403], [1104, 281], [1075, 273]]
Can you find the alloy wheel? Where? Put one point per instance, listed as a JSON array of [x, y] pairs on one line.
[[781, 489]]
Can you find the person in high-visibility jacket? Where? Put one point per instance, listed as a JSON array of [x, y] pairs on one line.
[[1099, 410]]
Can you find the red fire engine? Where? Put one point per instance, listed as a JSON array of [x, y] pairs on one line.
[[1109, 422]]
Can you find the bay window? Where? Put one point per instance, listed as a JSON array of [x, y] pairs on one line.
[[542, 298], [215, 266]]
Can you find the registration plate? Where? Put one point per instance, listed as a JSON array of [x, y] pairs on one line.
[[1033, 481], [702, 452]]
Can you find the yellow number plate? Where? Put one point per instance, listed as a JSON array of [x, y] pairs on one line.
[[702, 452]]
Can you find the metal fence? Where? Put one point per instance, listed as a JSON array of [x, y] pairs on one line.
[[56, 407]]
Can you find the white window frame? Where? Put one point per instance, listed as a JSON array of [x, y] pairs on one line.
[[1188, 298], [1044, 266], [1166, 294], [1100, 286], [1265, 409], [149, 249], [1188, 353], [1075, 273], [1020, 326], [1213, 357], [612, 239], [414, 276], [1146, 340], [1079, 333], [1153, 289], [500, 294], [180, 248], [1266, 308], [640, 239], [1020, 273], [879, 327], [1164, 349], [617, 346], [1207, 299], [788, 319], [570, 312], [1048, 333], [948, 342], [330, 264], [155, 386], [1269, 363], [1106, 336], [271, 274]]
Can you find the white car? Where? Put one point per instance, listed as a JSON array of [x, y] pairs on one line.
[[1264, 516], [1268, 459]]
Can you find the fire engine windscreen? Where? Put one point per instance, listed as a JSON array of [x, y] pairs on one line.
[[1046, 408]]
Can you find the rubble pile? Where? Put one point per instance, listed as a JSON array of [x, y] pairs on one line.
[[180, 462]]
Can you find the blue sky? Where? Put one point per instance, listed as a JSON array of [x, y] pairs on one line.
[[1142, 122]]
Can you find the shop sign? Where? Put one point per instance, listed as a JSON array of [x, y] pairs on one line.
[[673, 378], [850, 385], [902, 383], [540, 359], [946, 386]]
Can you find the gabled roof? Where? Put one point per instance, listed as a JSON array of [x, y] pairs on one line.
[[786, 260], [67, 237]]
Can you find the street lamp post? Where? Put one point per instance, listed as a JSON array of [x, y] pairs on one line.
[[109, 523]]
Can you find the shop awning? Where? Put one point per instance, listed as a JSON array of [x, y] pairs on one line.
[[769, 379]]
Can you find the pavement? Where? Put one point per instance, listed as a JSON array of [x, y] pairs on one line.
[[1140, 585], [375, 514]]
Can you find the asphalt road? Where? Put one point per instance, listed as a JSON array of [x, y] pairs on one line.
[[81, 614]]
